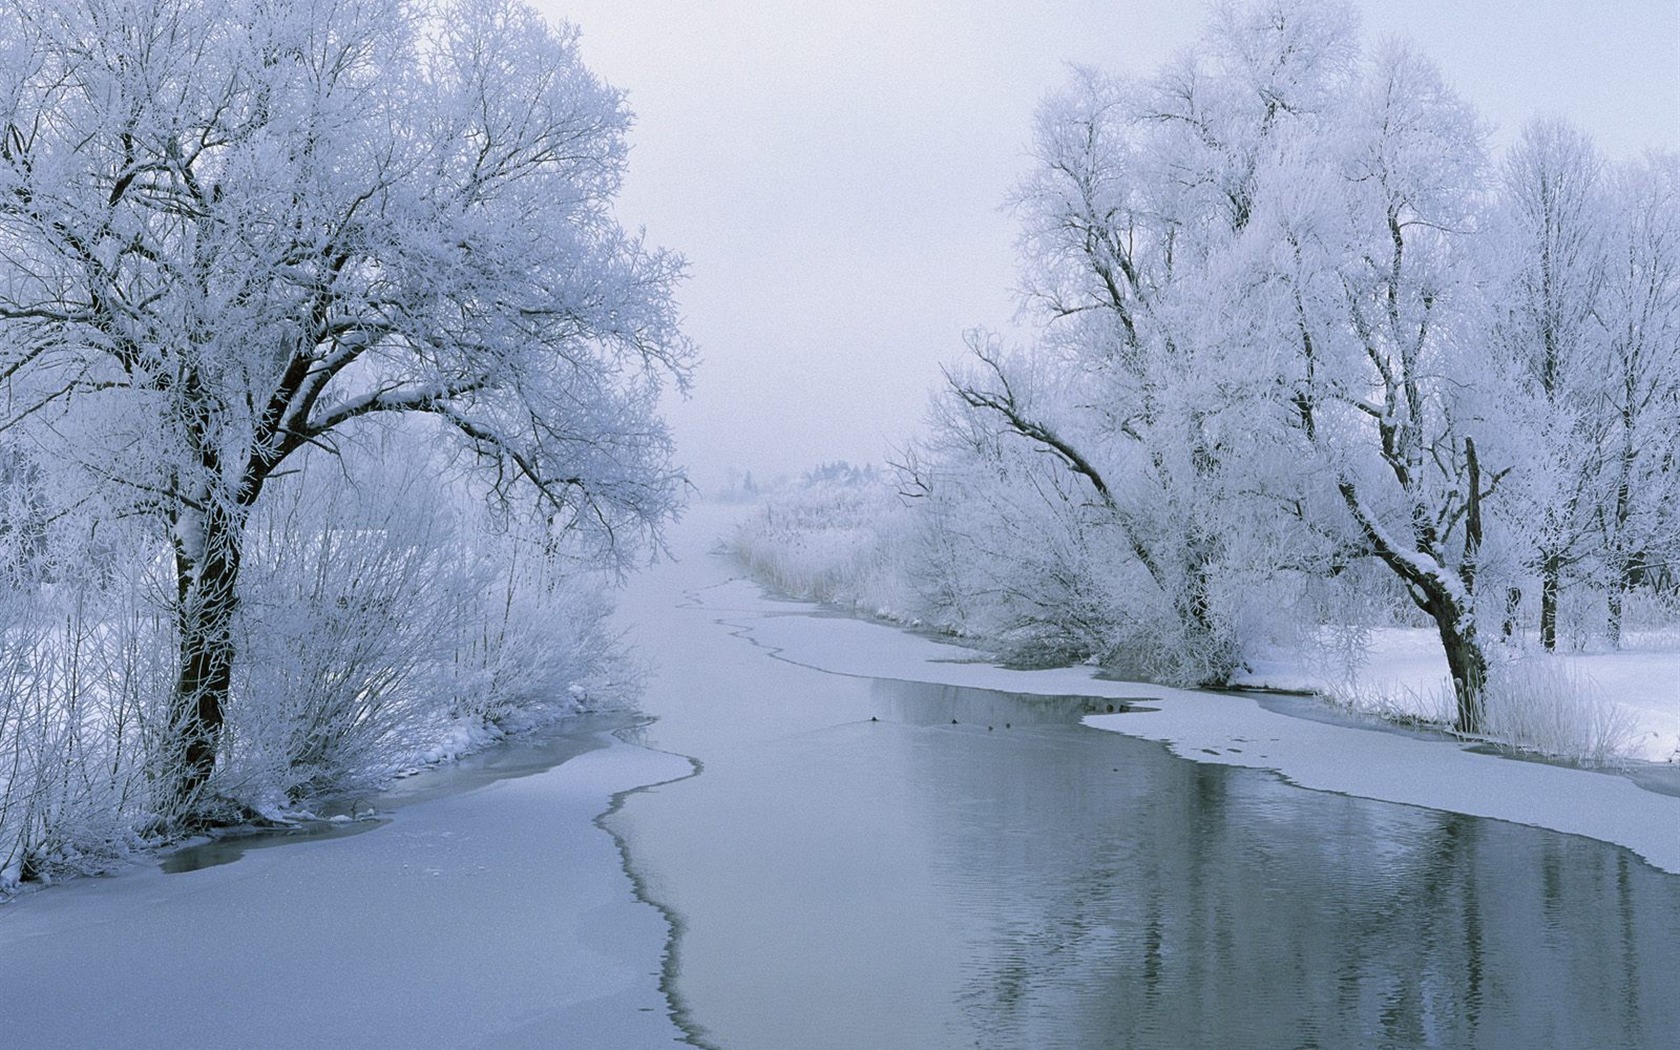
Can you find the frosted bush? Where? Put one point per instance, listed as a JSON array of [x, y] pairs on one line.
[[79, 697], [1401, 704], [342, 629], [1004, 554], [1543, 704], [1013, 551], [386, 625], [839, 536], [540, 642], [1538, 704]]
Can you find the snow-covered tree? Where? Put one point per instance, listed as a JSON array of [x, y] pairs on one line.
[[1637, 512], [1366, 237], [1140, 190], [1261, 316], [1581, 259], [1545, 255], [230, 231]]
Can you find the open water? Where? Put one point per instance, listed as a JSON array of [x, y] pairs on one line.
[[875, 863]]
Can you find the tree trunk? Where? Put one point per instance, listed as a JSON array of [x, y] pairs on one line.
[[1550, 572], [207, 576], [1513, 607], [1210, 646], [1613, 621], [1468, 666], [1452, 609]]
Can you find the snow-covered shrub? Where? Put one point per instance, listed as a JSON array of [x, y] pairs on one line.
[[82, 689], [1534, 703], [345, 615], [1543, 704], [1402, 704], [539, 641], [384, 624], [81, 693], [1022, 566], [838, 536]]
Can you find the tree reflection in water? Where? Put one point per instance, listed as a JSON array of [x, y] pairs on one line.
[[1116, 896]]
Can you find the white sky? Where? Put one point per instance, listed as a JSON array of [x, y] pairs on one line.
[[834, 169]]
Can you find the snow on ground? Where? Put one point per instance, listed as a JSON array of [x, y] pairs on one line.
[[1402, 670], [1236, 729], [1647, 683], [481, 914]]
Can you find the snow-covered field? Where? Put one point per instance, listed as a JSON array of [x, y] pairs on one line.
[[1403, 673]]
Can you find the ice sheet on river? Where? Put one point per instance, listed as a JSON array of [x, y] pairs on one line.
[[499, 916]]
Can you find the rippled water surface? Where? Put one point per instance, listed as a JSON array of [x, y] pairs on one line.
[[963, 868]]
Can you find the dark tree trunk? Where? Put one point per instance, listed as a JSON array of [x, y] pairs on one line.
[[1551, 570], [207, 577], [1513, 606], [1468, 666], [1456, 624], [1450, 608], [1613, 621], [1210, 645]]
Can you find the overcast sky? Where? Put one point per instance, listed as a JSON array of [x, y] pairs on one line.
[[833, 170]]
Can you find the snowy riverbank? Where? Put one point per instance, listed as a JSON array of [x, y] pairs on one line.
[[1401, 672]]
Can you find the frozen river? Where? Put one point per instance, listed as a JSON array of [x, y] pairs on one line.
[[867, 862], [485, 910]]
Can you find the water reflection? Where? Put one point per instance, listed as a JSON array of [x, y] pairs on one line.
[[1113, 895], [925, 704], [227, 845]]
